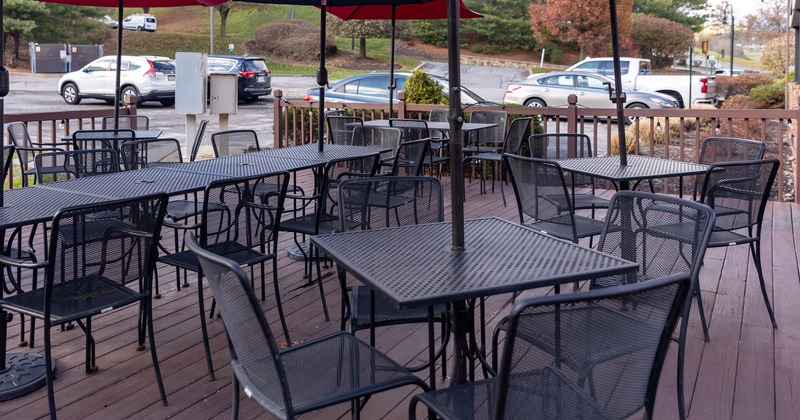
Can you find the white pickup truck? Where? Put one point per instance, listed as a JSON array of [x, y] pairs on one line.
[[636, 75]]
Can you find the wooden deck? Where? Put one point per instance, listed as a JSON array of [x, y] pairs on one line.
[[748, 370]]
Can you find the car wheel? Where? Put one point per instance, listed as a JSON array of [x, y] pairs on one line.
[[131, 90], [630, 120], [71, 94], [167, 102], [535, 103], [139, 28], [251, 99]]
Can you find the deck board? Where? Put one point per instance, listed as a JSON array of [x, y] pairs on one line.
[[747, 370]]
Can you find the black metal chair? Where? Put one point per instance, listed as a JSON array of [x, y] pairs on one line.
[[414, 129], [340, 128], [240, 224], [368, 135], [569, 146], [726, 149], [532, 383], [101, 139], [323, 214], [133, 122], [512, 144], [234, 142], [198, 140], [94, 268], [70, 164], [149, 153], [439, 115], [738, 192], [317, 373], [26, 149], [665, 235], [543, 201], [491, 137], [381, 202]]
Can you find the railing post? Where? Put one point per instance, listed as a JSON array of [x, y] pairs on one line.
[[796, 155], [130, 104], [277, 121], [401, 110], [572, 114]]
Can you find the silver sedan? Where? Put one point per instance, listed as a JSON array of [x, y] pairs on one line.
[[552, 90]]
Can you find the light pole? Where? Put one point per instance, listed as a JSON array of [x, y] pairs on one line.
[[724, 21]]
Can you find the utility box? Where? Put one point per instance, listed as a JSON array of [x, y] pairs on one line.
[[190, 83], [224, 88]]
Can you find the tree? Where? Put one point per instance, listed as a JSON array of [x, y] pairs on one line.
[[20, 20], [662, 41], [768, 23], [774, 56], [689, 13], [584, 23], [363, 29], [224, 9]]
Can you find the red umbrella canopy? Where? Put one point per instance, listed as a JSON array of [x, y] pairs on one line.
[[138, 3], [436, 9]]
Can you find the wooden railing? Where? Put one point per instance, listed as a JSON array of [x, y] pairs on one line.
[[668, 133]]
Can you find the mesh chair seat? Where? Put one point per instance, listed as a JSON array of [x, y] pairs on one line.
[[75, 299], [242, 255], [580, 201], [561, 226], [386, 313], [307, 224]]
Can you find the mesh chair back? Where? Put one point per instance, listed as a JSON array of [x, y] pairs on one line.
[[537, 182], [254, 353], [738, 192], [410, 158], [101, 139], [8, 155], [234, 142], [18, 132], [560, 146], [412, 129], [494, 135], [665, 235], [98, 247], [243, 213], [148, 153], [380, 202], [439, 115], [132, 122], [726, 149], [198, 140], [340, 128], [548, 329], [75, 164], [366, 135], [516, 135]]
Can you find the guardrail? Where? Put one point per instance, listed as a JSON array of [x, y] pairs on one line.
[[667, 133]]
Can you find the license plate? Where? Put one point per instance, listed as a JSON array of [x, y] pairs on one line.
[[261, 79]]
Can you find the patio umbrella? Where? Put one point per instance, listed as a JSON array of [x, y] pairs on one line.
[[120, 5], [322, 72], [435, 9]]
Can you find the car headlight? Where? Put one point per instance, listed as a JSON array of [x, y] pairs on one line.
[[663, 103]]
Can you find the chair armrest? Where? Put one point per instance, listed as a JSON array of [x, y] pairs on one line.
[[15, 262]]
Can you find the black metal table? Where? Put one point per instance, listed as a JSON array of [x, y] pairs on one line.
[[639, 168], [500, 257], [25, 372]]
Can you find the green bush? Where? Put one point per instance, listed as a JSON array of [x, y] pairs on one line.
[[769, 96], [420, 88]]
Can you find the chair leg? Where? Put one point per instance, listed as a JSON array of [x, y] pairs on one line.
[[702, 313], [49, 375], [319, 282], [235, 402], [203, 328], [149, 315], [755, 250], [278, 302]]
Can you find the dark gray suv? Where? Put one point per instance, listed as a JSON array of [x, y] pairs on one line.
[[254, 76]]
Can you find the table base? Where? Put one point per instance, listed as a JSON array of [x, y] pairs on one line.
[[25, 373], [303, 252]]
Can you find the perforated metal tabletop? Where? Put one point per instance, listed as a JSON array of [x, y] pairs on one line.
[[25, 206], [311, 152], [501, 257], [638, 168]]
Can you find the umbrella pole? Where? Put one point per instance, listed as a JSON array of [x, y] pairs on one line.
[[2, 124], [456, 118], [117, 92], [618, 97], [391, 63], [322, 76]]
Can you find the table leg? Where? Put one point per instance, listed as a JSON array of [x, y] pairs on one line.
[[460, 317]]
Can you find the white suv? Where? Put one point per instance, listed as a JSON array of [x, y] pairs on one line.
[[149, 78]]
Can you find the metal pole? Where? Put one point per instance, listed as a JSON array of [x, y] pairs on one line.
[[623, 148], [117, 91], [322, 75], [732, 30], [456, 119], [391, 63], [211, 18]]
